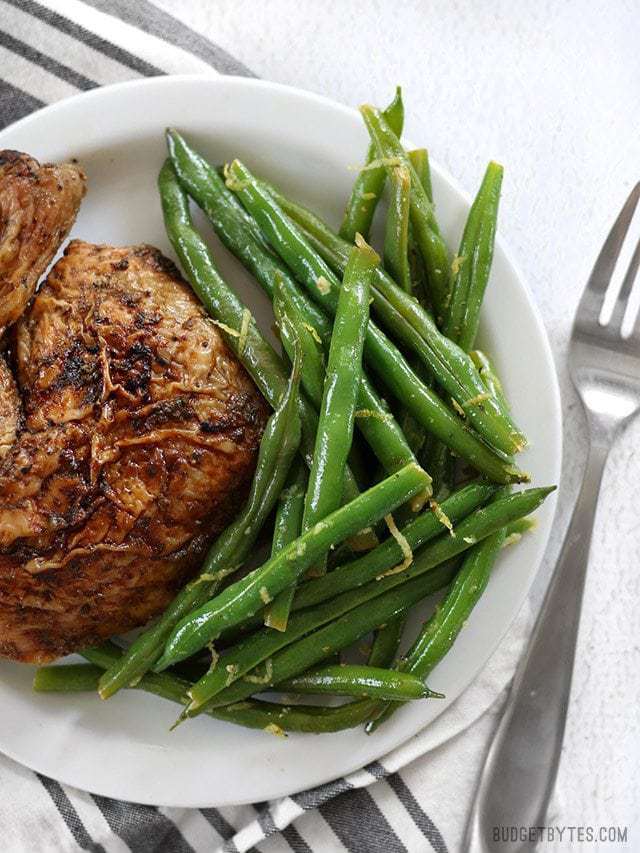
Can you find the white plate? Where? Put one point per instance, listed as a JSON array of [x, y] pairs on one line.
[[122, 748]]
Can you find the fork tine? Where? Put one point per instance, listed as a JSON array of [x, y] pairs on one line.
[[625, 291], [600, 277]]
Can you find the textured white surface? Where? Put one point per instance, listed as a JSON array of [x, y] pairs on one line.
[[552, 90]]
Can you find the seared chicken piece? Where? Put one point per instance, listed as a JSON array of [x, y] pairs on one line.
[[38, 206], [137, 435]]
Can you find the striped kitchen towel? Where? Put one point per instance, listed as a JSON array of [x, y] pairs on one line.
[[415, 798]]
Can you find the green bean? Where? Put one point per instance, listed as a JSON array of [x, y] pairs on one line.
[[287, 527], [432, 246], [490, 378], [385, 642], [242, 599], [369, 184], [420, 162], [473, 263], [468, 530], [340, 633], [278, 719], [350, 680], [437, 457], [278, 446], [439, 633], [417, 436], [419, 158], [407, 319], [443, 464], [238, 233], [472, 267], [291, 328], [269, 716], [381, 354], [69, 678], [515, 530], [396, 239], [341, 384]]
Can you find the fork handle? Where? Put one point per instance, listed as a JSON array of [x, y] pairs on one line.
[[522, 762]]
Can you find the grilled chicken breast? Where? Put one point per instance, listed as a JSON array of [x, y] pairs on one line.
[[127, 442]]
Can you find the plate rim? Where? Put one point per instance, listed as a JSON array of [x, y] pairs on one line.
[[282, 789]]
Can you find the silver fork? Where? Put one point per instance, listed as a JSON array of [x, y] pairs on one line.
[[522, 762]]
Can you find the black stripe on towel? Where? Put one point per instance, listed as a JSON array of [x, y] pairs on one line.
[[43, 61], [359, 824], [218, 822], [15, 104], [418, 815], [69, 815], [142, 828], [295, 841]]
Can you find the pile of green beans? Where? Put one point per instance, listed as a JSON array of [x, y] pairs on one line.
[[241, 236], [322, 284], [228, 638], [450, 366]]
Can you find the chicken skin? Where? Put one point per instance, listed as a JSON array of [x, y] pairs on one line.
[[127, 442]]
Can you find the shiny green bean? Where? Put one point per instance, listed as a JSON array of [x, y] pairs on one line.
[[352, 680], [396, 238], [386, 642], [369, 184], [342, 381], [287, 527], [473, 264]]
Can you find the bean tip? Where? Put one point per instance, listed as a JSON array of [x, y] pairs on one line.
[[105, 689], [179, 721], [433, 694]]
